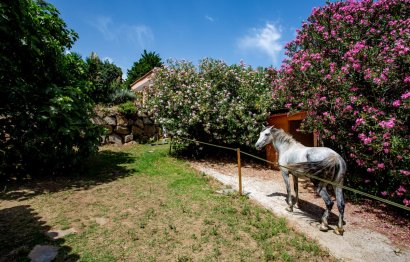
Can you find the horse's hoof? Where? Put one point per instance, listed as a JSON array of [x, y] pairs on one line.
[[339, 231], [290, 209], [323, 228]]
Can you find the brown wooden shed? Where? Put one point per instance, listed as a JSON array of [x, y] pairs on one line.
[[290, 123]]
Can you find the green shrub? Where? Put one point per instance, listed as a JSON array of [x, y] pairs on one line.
[[215, 103], [128, 109]]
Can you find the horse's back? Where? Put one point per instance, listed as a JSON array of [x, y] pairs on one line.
[[320, 153]]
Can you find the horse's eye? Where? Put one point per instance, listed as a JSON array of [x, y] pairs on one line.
[[266, 134]]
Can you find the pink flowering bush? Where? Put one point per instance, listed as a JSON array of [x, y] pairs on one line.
[[349, 68], [215, 102]]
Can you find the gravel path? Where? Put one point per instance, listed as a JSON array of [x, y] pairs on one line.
[[357, 244]]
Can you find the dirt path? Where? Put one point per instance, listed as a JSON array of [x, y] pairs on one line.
[[360, 241]]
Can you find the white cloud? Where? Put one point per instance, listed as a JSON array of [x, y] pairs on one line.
[[266, 40], [209, 18], [136, 34]]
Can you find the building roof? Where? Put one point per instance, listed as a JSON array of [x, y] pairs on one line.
[[140, 83]]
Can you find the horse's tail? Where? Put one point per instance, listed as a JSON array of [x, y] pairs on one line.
[[331, 168]]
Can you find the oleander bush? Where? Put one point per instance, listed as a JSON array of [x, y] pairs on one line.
[[215, 102], [349, 67]]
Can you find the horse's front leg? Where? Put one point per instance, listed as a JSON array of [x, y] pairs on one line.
[[285, 175]]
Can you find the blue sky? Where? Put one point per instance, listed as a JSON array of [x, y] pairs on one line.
[[254, 31]]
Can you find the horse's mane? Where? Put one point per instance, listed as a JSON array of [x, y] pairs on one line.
[[283, 137]]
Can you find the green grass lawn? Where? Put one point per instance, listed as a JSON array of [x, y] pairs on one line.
[[136, 203]]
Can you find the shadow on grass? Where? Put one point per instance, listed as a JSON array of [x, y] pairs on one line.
[[106, 166], [21, 229]]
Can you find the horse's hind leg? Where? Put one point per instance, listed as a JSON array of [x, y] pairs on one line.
[[296, 188], [285, 176], [341, 206], [321, 190]]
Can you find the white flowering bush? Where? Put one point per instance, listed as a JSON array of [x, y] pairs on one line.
[[215, 102]]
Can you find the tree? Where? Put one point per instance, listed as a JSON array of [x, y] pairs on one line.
[[105, 76], [45, 106], [349, 67], [147, 62]]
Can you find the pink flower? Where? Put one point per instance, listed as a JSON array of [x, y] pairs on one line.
[[384, 193], [401, 189], [386, 135], [380, 166], [348, 108], [386, 150], [405, 95], [396, 103], [370, 170], [405, 172], [406, 202], [360, 121], [388, 124]]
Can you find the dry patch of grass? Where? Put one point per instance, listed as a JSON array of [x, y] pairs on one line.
[[157, 209]]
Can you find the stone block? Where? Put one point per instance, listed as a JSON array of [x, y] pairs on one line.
[[149, 130], [115, 139], [147, 121], [122, 120], [109, 129], [139, 123], [128, 138], [123, 130], [111, 121], [97, 120], [136, 130]]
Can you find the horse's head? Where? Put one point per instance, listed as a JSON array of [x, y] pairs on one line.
[[265, 137]]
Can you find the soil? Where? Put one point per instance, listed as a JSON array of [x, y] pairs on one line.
[[372, 231]]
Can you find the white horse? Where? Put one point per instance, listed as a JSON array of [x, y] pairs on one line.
[[296, 159]]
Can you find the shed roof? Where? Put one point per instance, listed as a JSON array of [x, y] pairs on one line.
[[140, 83]]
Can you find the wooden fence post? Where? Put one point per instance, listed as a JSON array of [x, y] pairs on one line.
[[239, 170]]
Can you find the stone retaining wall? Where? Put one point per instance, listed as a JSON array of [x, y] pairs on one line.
[[122, 129]]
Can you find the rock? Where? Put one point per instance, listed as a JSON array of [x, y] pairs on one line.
[[122, 120], [147, 121], [57, 234], [128, 138], [139, 123], [149, 130], [123, 130], [108, 129], [99, 113], [103, 139], [97, 121], [141, 114], [43, 253], [115, 139], [109, 120], [137, 131]]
